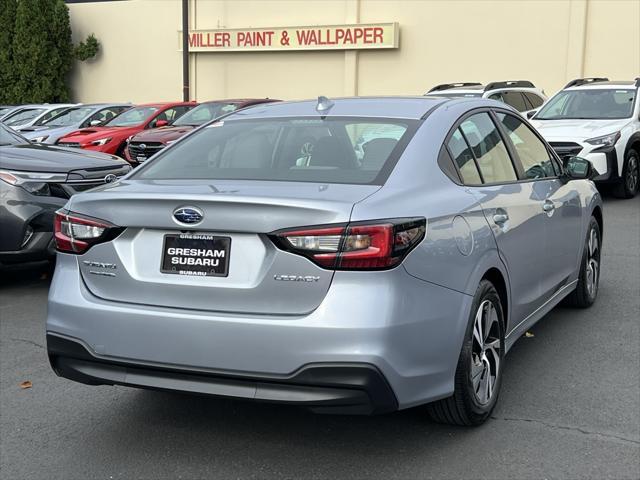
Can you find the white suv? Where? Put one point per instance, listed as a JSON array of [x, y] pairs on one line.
[[598, 120], [520, 94]]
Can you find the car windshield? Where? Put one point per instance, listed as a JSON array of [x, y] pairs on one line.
[[338, 150], [9, 137], [591, 104], [23, 116], [69, 117], [132, 117], [4, 110], [204, 113]]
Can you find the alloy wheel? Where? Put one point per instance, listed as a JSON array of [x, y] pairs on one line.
[[485, 352], [593, 263], [632, 174]]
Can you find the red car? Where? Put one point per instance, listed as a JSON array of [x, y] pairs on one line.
[[146, 143], [112, 137]]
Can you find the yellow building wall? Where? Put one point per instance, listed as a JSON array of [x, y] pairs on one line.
[[546, 41]]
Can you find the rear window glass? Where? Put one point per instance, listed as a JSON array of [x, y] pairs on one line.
[[331, 150]]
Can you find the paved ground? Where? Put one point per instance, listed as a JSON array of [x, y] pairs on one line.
[[570, 406]]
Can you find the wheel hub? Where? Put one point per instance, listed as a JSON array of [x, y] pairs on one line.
[[632, 174], [593, 262], [485, 352]]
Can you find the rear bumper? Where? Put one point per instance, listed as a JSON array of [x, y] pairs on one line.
[[409, 330], [324, 388]]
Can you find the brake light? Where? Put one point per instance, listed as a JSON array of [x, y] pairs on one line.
[[374, 245], [76, 234]]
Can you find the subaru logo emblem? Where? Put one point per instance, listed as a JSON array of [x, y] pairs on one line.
[[110, 178], [142, 146], [188, 215]]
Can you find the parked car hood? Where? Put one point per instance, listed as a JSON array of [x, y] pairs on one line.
[[50, 158], [162, 134], [33, 128], [96, 133], [48, 131], [577, 129]]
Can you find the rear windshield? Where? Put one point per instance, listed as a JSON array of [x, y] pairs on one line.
[[330, 150]]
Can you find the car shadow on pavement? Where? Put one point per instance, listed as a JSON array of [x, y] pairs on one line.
[[26, 274]]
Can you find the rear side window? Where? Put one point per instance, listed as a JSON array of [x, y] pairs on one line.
[[515, 99], [533, 154], [488, 148], [331, 150], [463, 157], [534, 99]]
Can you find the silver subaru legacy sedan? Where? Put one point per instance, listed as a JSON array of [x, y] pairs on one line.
[[357, 255]]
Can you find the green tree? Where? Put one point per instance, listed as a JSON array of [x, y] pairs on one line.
[[34, 62], [61, 39], [7, 23], [36, 52]]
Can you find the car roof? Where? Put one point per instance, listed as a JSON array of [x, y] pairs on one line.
[[164, 104], [239, 100], [604, 85], [98, 105], [379, 107]]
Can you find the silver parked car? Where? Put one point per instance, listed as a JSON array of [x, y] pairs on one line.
[[72, 119], [345, 283], [27, 115]]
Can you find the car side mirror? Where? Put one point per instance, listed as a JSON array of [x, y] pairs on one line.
[[578, 168], [161, 123], [95, 123], [531, 113]]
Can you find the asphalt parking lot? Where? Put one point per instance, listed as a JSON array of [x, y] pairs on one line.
[[569, 407]]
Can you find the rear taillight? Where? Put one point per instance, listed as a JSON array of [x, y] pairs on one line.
[[374, 245], [76, 234]]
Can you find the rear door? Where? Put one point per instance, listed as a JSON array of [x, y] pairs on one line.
[[558, 200], [511, 208]]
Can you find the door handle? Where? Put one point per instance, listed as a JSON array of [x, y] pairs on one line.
[[548, 206], [500, 218]]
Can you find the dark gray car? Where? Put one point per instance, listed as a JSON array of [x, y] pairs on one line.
[[35, 181], [71, 119], [392, 264]]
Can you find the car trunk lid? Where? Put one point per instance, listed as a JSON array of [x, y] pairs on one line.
[[237, 216]]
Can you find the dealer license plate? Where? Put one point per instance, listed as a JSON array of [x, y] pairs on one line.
[[196, 254]]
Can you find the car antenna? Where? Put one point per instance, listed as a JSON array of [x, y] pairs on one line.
[[324, 104]]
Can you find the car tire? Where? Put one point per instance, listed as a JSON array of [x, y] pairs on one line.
[[586, 290], [120, 151], [476, 390], [627, 186]]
